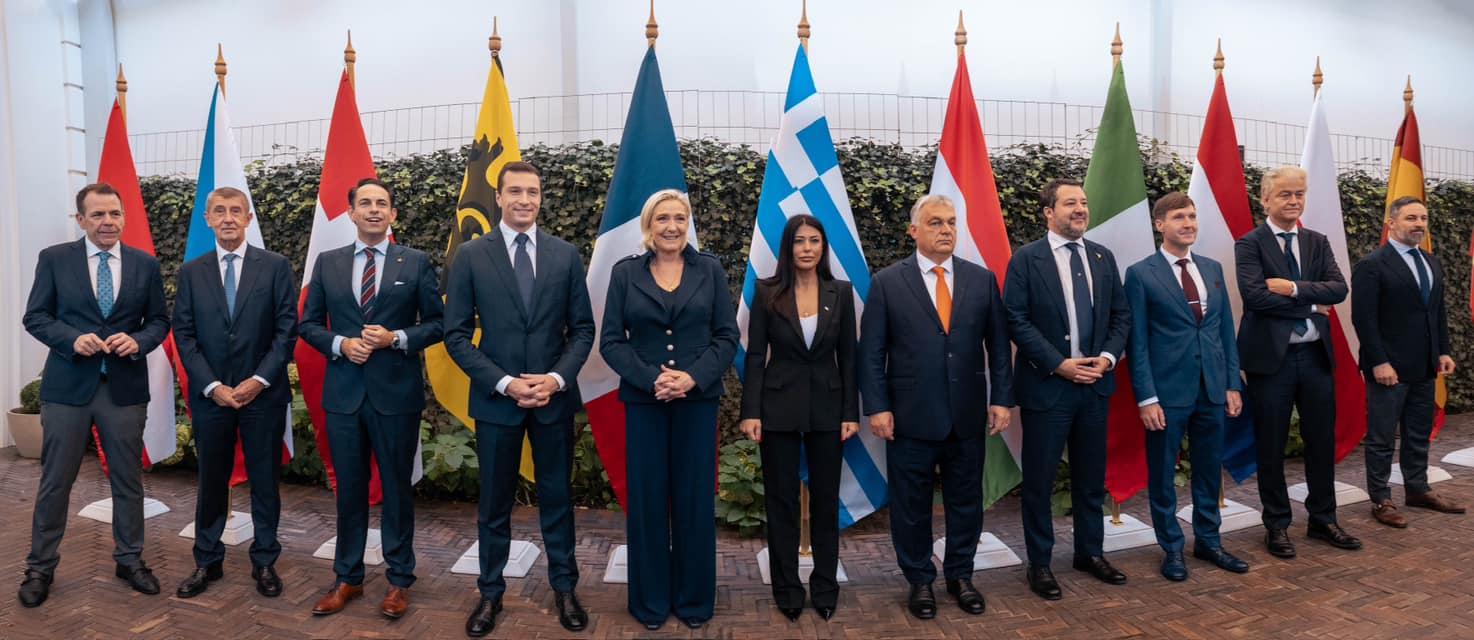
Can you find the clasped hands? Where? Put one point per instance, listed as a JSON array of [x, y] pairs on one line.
[[238, 396], [532, 390], [1083, 370], [118, 344], [372, 338], [672, 384]]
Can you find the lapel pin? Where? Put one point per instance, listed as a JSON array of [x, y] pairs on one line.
[[826, 308], [399, 259]]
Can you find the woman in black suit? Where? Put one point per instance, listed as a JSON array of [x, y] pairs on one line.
[[799, 397], [670, 332]]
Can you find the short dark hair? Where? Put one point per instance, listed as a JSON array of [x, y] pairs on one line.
[[1050, 194], [353, 193], [519, 167], [1171, 202], [100, 188], [1398, 204]]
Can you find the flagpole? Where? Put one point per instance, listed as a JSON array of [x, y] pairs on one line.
[[1407, 96], [1116, 50], [220, 71], [122, 86], [805, 527], [350, 58], [803, 27], [1317, 78], [652, 30], [220, 67]]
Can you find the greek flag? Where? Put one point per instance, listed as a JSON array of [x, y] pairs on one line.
[[803, 176]]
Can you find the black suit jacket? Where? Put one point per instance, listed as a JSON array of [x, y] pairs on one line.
[[1039, 324], [1393, 323], [697, 335], [935, 381], [258, 342], [63, 306], [554, 336], [1264, 330], [790, 385], [408, 299]]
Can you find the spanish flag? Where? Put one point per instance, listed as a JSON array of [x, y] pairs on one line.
[[493, 145]]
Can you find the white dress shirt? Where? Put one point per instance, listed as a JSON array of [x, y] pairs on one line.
[[360, 262], [1061, 254], [930, 278], [240, 267], [1412, 267], [114, 264], [509, 238], [1192, 271], [1311, 335]]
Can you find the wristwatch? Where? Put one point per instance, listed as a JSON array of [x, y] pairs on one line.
[[395, 343]]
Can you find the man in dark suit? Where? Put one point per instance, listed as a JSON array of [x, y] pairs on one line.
[[235, 320], [1288, 280], [527, 288], [371, 307], [1067, 313], [98, 306], [936, 379], [1185, 372], [1398, 310]]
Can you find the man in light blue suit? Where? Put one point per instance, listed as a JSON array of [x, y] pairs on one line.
[[1185, 371]]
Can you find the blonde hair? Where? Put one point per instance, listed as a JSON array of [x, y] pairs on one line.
[[928, 200], [647, 212], [1287, 171]]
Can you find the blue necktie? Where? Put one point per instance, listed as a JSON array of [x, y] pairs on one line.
[[1425, 284], [1303, 327], [1084, 314], [522, 265], [105, 290], [230, 284]]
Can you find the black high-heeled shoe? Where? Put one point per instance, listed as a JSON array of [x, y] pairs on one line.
[[792, 613], [824, 612]]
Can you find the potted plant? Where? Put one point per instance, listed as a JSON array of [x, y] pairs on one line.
[[25, 421]]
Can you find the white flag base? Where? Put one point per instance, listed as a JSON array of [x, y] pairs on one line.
[[991, 553], [1130, 534], [373, 549], [1462, 457], [520, 558], [1435, 474], [1234, 516], [238, 529], [618, 571], [805, 567], [102, 510], [1345, 493]]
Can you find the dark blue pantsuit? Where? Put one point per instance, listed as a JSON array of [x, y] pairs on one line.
[[1202, 423], [1077, 419], [499, 448], [357, 439]]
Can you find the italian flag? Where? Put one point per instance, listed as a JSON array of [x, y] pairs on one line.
[[1115, 185]]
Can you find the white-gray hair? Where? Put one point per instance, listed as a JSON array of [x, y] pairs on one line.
[[929, 200]]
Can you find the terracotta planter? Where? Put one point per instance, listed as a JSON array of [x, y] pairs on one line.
[[25, 429]]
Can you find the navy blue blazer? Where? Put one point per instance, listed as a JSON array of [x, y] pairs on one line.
[[554, 336], [1170, 350], [935, 381], [63, 306], [258, 342], [698, 334], [1264, 331], [407, 299], [1039, 324], [1394, 324]]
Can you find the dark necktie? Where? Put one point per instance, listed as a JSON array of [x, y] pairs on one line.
[[1425, 283], [1301, 328], [366, 284], [1190, 289], [1084, 308], [522, 265]]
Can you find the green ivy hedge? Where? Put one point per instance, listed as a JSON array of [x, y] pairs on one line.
[[882, 180]]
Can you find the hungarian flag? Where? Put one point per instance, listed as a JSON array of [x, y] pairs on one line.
[[117, 169], [1222, 199], [1323, 213], [965, 174], [1115, 185], [220, 166], [493, 145], [1406, 179], [649, 160]]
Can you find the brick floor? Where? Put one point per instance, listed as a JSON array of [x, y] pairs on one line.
[[1413, 583]]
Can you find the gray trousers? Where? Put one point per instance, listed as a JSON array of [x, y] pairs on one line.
[[1409, 405], [67, 432]]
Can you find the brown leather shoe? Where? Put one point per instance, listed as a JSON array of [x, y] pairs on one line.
[[396, 602], [1435, 502], [1386, 513], [336, 599]]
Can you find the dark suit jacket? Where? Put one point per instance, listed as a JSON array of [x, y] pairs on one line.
[[408, 299], [258, 342], [789, 385], [1039, 324], [1394, 324], [697, 335], [554, 336], [1264, 331], [1170, 350], [63, 306], [935, 381]]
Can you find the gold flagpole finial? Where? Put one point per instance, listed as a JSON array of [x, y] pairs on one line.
[[652, 30], [1317, 78], [1116, 47], [1407, 96], [960, 36], [1218, 59], [494, 43], [220, 66], [122, 86], [350, 58], [803, 27]]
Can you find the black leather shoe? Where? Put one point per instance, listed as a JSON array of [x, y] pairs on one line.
[[1221, 559], [792, 613], [1278, 543], [825, 612], [34, 589], [198, 581], [483, 619], [141, 578], [1174, 568], [1334, 535], [1042, 582], [693, 623], [267, 582], [1102, 570], [654, 626], [922, 602], [968, 598], [570, 613]]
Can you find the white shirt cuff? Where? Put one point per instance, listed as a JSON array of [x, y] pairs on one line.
[[403, 340], [1148, 401], [501, 385], [1294, 290], [1107, 355], [561, 384], [262, 380], [210, 388], [338, 346]]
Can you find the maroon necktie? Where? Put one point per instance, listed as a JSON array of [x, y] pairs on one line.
[[1190, 288], [366, 284]]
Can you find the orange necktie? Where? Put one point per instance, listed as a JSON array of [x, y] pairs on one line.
[[944, 299]]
